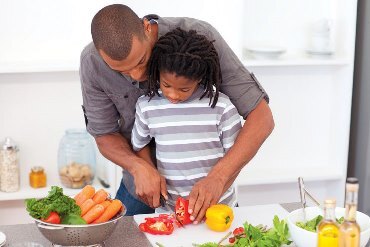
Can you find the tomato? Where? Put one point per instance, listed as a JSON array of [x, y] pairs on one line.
[[181, 210], [231, 240], [53, 218], [238, 231], [161, 225]]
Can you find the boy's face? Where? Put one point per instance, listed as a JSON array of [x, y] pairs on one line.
[[177, 88], [136, 62]]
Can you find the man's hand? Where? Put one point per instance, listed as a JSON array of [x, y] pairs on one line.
[[147, 180], [204, 194], [149, 184]]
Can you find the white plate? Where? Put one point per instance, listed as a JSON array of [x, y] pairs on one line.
[[319, 53], [266, 52], [2, 238]]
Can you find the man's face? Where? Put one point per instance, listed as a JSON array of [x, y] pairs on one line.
[[134, 65]]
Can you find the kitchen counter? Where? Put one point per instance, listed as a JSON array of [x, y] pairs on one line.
[[126, 233]]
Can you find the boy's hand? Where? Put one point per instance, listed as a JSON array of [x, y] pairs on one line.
[[205, 193]]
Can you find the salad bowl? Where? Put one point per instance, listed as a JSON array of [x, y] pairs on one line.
[[305, 238]]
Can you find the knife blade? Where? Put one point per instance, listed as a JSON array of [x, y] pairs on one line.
[[165, 204]]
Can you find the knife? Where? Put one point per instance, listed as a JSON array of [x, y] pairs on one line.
[[165, 204]]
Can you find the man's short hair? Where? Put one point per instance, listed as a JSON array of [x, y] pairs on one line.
[[113, 28]]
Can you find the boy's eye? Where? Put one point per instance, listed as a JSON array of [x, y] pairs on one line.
[[165, 85], [185, 90]]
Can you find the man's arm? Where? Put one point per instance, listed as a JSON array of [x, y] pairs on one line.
[[145, 154], [257, 127], [148, 181]]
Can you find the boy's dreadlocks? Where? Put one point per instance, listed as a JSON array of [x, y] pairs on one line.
[[186, 54]]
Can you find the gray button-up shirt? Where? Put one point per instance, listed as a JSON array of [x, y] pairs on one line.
[[109, 97]]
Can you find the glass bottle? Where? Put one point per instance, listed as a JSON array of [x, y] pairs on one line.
[[328, 229], [349, 229], [76, 159], [9, 166], [37, 177]]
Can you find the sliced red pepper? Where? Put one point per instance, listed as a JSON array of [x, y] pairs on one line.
[[161, 225], [181, 210]]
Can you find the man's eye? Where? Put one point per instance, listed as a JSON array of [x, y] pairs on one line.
[[142, 61]]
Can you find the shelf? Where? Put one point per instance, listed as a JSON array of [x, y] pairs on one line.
[[63, 66], [263, 176], [37, 66], [27, 192], [300, 61]]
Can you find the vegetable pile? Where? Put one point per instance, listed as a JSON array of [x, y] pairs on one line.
[[87, 207], [53, 207], [311, 225], [256, 236]]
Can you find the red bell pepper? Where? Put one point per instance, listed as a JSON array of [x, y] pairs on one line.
[[161, 225], [181, 210]]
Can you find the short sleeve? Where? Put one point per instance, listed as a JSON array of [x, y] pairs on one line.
[[101, 113], [229, 126], [241, 86], [140, 136]]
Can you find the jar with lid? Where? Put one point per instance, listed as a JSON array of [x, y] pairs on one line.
[[9, 166], [76, 159], [37, 177]]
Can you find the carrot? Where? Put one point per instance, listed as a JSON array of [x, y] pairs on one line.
[[86, 206], [93, 213], [100, 196], [86, 193], [105, 204], [110, 211]]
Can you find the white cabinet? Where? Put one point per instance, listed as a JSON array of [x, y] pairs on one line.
[[310, 100]]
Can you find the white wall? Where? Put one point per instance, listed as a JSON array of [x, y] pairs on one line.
[[35, 109], [56, 31]]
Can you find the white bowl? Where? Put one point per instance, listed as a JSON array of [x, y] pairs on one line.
[[304, 238], [266, 52]]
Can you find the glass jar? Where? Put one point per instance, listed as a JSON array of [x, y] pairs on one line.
[[9, 166], [37, 177], [76, 159]]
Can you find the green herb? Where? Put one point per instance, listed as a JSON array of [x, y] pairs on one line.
[[73, 219], [207, 245], [311, 225], [340, 220], [56, 201], [259, 236]]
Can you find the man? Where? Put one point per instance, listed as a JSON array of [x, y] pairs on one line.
[[113, 77]]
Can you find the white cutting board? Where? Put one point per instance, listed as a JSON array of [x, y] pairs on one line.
[[260, 214]]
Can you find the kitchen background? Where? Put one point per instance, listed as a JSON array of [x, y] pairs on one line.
[[301, 51]]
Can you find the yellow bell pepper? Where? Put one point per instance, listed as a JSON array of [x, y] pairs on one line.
[[219, 217]]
